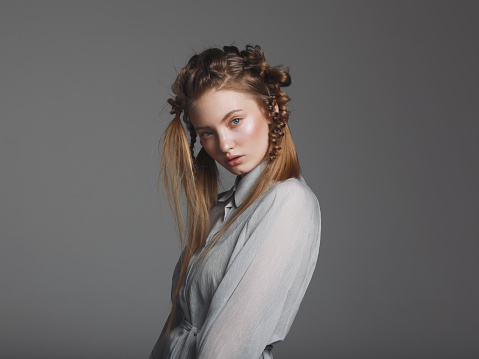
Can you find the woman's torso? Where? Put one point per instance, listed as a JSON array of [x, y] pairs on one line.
[[205, 289]]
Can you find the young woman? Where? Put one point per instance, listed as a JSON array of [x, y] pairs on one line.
[[249, 253]]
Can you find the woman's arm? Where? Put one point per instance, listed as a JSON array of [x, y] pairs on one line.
[[159, 348], [260, 293]]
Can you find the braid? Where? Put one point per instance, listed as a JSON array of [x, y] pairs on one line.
[[177, 109], [276, 134], [192, 131]]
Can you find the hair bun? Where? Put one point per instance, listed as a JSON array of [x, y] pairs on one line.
[[254, 59], [278, 75]]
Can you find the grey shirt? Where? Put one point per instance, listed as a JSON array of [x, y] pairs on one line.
[[242, 297]]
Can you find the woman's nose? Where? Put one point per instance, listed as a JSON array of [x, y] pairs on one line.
[[226, 142]]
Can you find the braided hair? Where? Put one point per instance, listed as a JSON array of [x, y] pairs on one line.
[[228, 69]]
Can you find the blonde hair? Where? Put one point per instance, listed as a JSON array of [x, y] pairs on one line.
[[194, 180]]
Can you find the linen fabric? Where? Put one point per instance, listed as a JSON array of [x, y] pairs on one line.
[[243, 296]]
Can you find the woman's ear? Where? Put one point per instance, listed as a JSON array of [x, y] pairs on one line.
[[270, 115]]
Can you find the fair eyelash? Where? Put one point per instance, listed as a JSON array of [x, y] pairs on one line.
[[236, 118]]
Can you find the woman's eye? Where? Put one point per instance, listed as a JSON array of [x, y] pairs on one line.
[[236, 121], [206, 134]]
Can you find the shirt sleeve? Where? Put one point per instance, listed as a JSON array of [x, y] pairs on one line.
[[160, 346], [266, 279]]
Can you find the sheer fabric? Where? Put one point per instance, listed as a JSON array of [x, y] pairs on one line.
[[243, 296]]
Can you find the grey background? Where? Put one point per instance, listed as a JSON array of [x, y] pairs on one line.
[[384, 115]]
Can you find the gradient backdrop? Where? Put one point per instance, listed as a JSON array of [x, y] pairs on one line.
[[385, 117]]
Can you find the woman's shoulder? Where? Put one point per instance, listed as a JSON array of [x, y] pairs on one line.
[[292, 203], [293, 190]]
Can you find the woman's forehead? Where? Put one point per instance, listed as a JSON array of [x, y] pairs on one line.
[[215, 104]]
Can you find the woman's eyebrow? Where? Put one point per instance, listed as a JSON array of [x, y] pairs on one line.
[[225, 117]]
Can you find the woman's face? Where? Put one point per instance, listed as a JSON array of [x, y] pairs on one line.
[[232, 128]]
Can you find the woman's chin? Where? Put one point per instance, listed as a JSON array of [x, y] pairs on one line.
[[238, 170]]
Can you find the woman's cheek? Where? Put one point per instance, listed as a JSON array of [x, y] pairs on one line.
[[256, 133], [206, 146], [250, 131], [209, 147]]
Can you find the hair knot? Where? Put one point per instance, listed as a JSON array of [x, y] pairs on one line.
[[176, 108]]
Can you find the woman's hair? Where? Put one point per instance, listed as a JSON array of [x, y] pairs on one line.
[[192, 181]]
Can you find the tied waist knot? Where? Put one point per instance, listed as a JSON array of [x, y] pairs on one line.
[[193, 331], [183, 345], [187, 326]]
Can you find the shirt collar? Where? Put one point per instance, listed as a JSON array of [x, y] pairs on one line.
[[243, 185]]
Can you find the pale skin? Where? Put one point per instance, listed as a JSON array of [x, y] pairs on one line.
[[232, 129]]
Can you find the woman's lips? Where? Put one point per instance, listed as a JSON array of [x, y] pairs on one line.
[[235, 160]]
